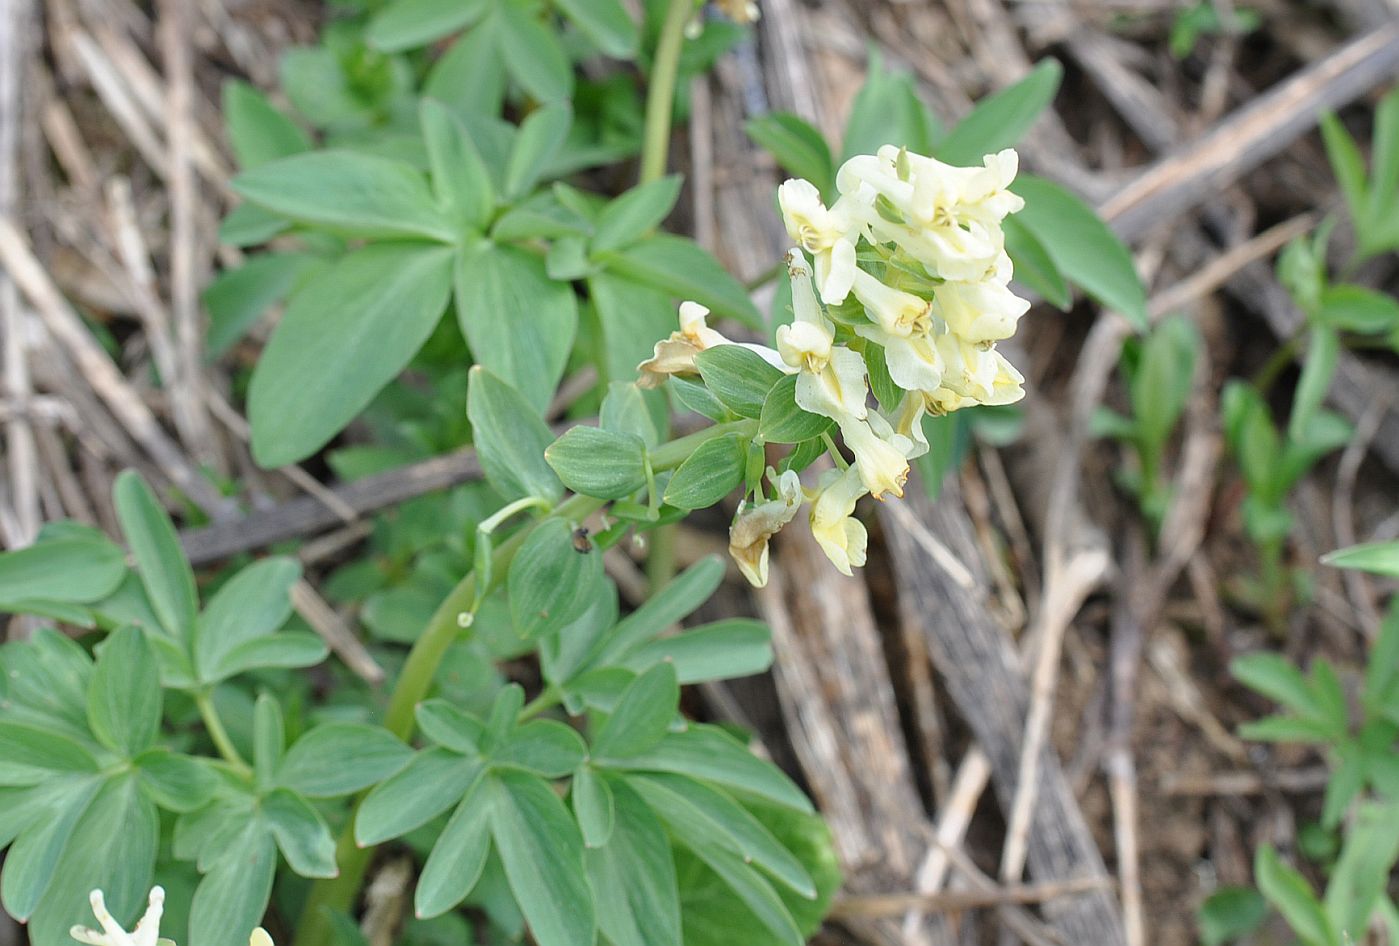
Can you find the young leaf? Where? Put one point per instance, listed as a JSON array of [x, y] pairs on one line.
[[709, 474], [539, 139], [633, 876], [301, 833], [518, 322], [165, 574], [510, 439], [123, 705], [683, 269], [782, 421], [429, 785], [257, 131], [1000, 120], [413, 23], [253, 603], [340, 758], [460, 178], [345, 335], [534, 57], [1082, 246], [606, 23], [1323, 349], [601, 463], [1380, 558], [636, 213], [710, 754], [1357, 309], [1289, 892], [457, 859], [593, 806], [641, 716], [1231, 913], [542, 851], [550, 582], [349, 192], [798, 148], [76, 569], [1277, 678], [739, 377], [738, 647]]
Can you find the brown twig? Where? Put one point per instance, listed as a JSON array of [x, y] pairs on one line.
[[892, 904]]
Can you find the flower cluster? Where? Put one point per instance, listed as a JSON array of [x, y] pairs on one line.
[[147, 931], [907, 269]]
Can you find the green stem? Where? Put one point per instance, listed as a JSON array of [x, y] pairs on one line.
[[660, 97], [210, 714], [338, 893]]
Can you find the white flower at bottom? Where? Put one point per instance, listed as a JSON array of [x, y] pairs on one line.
[[841, 536], [751, 530], [146, 933]]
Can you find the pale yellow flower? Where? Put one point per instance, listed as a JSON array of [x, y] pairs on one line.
[[753, 528], [260, 938], [676, 355], [895, 311], [977, 374], [984, 310], [146, 933], [914, 361], [740, 11], [829, 235], [841, 536]]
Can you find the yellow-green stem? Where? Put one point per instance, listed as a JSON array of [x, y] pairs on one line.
[[338, 893], [214, 725], [660, 95]]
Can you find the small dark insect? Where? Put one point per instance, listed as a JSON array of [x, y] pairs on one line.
[[581, 542]]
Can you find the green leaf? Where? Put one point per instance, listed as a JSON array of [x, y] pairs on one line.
[[1323, 348], [710, 754], [706, 818], [606, 23], [350, 192], [633, 317], [460, 178], [543, 746], [601, 463], [1381, 558], [287, 649], [739, 377], [1286, 729], [782, 421], [301, 833], [33, 858], [799, 148], [112, 847], [1160, 386], [470, 75], [413, 23], [1001, 120], [624, 410], [1385, 158], [269, 738], [450, 726], [674, 601], [887, 111], [30, 755], [1034, 266], [166, 576], [642, 716], [593, 806], [1346, 163], [430, 784], [738, 647], [123, 705], [76, 569], [232, 897], [1357, 309], [250, 225], [693, 396], [258, 132], [457, 859], [1082, 246], [345, 334], [633, 876], [519, 323], [636, 213], [534, 56], [1361, 875], [175, 782], [550, 582], [253, 603], [1289, 892], [1277, 678], [540, 136], [714, 470], [1231, 913], [682, 268], [1346, 782], [340, 758], [510, 439], [238, 297], [757, 902], [542, 851]]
